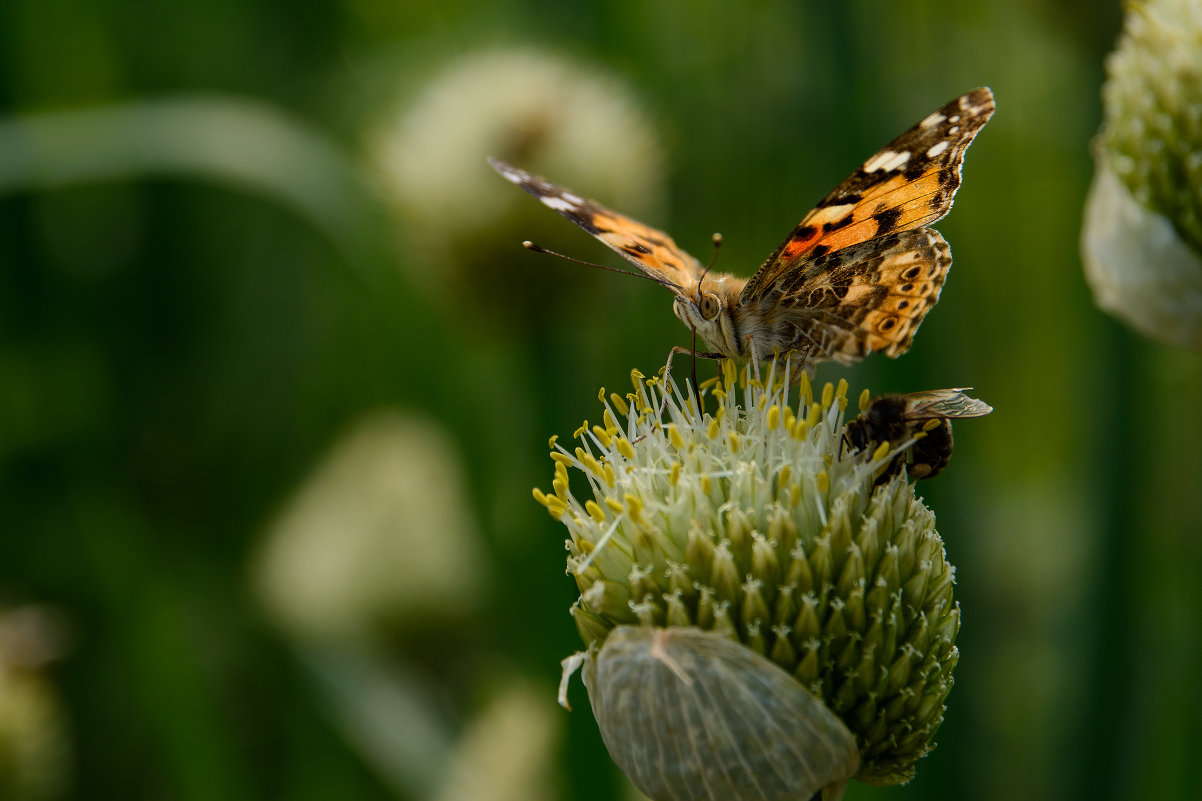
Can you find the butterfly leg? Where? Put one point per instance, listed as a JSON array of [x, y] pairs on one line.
[[697, 354], [663, 405]]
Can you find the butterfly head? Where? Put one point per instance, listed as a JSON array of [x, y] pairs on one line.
[[708, 308]]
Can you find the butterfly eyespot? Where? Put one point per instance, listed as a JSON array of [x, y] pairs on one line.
[[709, 306]]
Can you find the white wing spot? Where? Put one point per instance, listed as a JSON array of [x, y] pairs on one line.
[[558, 203], [955, 129], [511, 175], [932, 119], [937, 148], [954, 118], [887, 160], [575, 200]]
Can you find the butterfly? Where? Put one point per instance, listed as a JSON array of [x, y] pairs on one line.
[[922, 417], [856, 275]]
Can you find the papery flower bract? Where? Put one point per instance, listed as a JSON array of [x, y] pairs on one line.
[[755, 521]]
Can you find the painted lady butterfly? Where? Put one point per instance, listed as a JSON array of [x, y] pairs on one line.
[[856, 275]]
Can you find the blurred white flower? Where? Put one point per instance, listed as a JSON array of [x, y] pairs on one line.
[[1141, 242], [33, 737], [379, 536], [507, 753], [533, 109]]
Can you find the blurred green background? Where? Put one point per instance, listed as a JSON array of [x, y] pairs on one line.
[[276, 379]]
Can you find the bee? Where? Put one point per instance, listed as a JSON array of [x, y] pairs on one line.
[[923, 419]]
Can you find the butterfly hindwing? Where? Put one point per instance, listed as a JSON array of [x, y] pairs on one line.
[[908, 184], [651, 250], [867, 297]]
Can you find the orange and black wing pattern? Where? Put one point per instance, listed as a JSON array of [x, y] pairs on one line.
[[651, 250], [908, 184]]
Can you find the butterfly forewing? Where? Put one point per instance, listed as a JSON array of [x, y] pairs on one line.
[[651, 250], [908, 184]]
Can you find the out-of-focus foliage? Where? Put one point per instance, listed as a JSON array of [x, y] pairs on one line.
[[206, 283]]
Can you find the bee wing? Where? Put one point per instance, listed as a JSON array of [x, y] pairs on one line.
[[951, 403], [651, 250]]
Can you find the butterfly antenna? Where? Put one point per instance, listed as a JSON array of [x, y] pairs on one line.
[[540, 249], [717, 240]]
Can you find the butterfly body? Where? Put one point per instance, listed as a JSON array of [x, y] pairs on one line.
[[924, 417], [856, 275]]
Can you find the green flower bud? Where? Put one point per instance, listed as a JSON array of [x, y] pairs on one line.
[[1142, 237], [757, 523]]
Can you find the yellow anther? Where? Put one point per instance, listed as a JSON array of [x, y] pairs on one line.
[[822, 479], [594, 511], [625, 448], [578, 433], [581, 453], [782, 478], [709, 383], [734, 442], [613, 503], [619, 404], [634, 507], [674, 436], [557, 509], [880, 451], [551, 442], [608, 419], [601, 395], [828, 395], [841, 389], [560, 486], [800, 429], [864, 396], [610, 478], [773, 417], [541, 496], [729, 375], [789, 417], [674, 475], [815, 414], [562, 458], [592, 465], [806, 390], [712, 430], [932, 424], [705, 485], [794, 494], [602, 436]]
